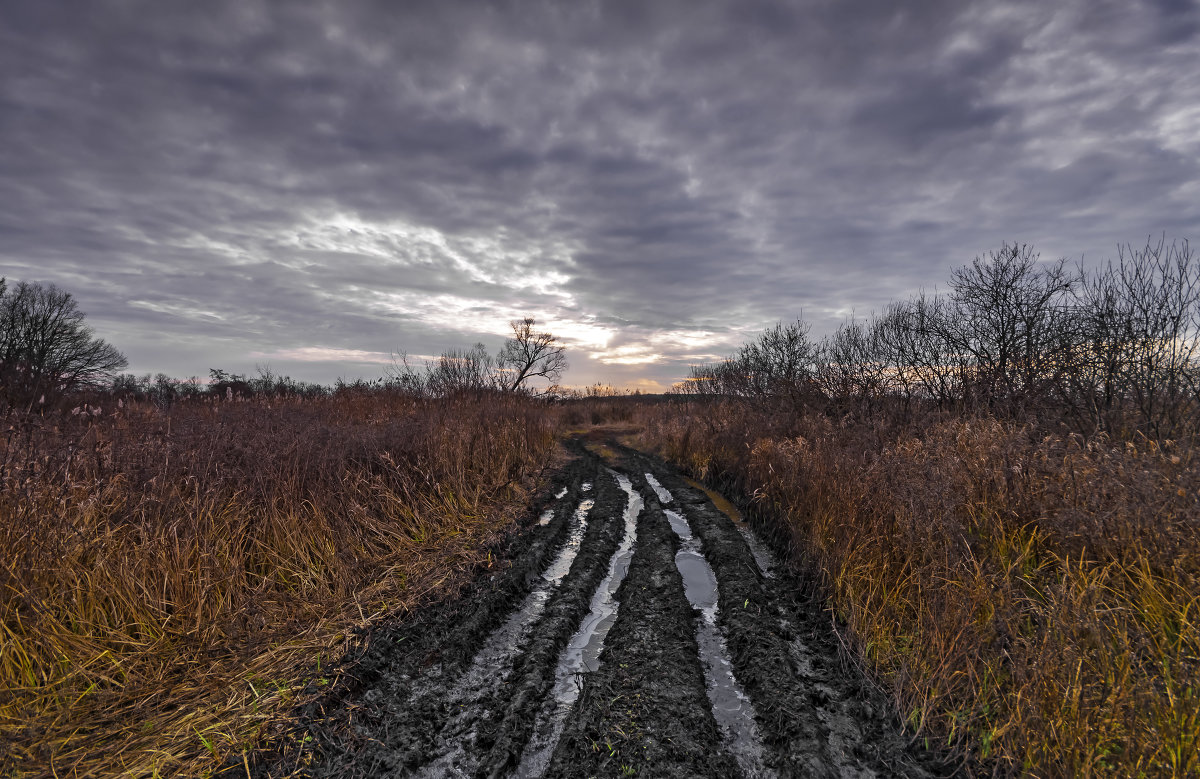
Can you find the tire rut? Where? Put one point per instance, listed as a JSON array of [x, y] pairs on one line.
[[634, 629], [818, 717], [645, 709]]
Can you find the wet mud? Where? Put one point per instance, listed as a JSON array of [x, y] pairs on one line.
[[818, 716], [645, 711], [631, 626]]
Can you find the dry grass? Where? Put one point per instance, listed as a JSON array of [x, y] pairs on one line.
[[173, 582], [1030, 600]]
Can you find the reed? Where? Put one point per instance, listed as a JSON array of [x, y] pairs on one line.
[[1029, 599], [173, 582]]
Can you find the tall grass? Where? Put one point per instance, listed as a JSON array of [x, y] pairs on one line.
[[171, 582], [1030, 599]]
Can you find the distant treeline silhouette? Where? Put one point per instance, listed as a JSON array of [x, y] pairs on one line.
[[1113, 349]]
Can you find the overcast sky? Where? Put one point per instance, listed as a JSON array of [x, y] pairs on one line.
[[315, 186]]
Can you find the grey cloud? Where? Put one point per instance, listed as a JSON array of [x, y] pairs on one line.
[[674, 166]]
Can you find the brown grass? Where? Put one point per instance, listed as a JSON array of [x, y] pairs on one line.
[[171, 583], [1030, 600]]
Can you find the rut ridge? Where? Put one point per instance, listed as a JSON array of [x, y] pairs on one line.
[[634, 629]]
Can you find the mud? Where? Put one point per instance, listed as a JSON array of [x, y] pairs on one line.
[[582, 652], [630, 626]]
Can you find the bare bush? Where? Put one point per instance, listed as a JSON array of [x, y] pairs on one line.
[[779, 367], [1008, 324], [1137, 351]]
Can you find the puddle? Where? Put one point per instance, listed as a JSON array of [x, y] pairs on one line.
[[582, 653], [731, 708], [763, 557], [562, 563], [494, 661], [587, 487], [719, 500], [664, 497], [548, 514]]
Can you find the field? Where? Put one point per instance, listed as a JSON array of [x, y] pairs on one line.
[[1028, 599], [173, 581], [178, 581]]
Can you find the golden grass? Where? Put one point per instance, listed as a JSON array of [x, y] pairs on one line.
[[172, 583], [1030, 600]]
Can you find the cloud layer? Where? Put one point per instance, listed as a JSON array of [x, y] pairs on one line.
[[319, 185]]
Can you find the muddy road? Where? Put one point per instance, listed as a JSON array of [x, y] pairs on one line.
[[632, 627]]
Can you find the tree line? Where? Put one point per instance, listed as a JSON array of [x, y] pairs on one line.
[[527, 354], [48, 351], [1114, 348]]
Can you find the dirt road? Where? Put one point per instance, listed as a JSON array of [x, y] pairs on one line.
[[634, 629]]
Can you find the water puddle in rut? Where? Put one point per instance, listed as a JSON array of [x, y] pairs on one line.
[[494, 660], [582, 653], [664, 497], [548, 514], [731, 708], [763, 557]]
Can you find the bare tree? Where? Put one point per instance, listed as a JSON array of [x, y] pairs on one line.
[[912, 340], [45, 346], [850, 365], [530, 355], [455, 371], [1138, 344], [1007, 313]]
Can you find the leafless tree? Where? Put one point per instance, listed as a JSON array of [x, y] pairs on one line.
[[529, 354], [779, 364], [851, 370], [1115, 349], [46, 348], [454, 371], [913, 341], [1138, 344], [1006, 319], [778, 368]]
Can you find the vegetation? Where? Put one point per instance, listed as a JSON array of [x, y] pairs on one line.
[[46, 349], [998, 491], [525, 356], [175, 578], [1115, 350]]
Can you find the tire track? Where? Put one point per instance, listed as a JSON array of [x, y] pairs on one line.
[[583, 650], [645, 709], [492, 666], [636, 629], [817, 717], [731, 708]]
